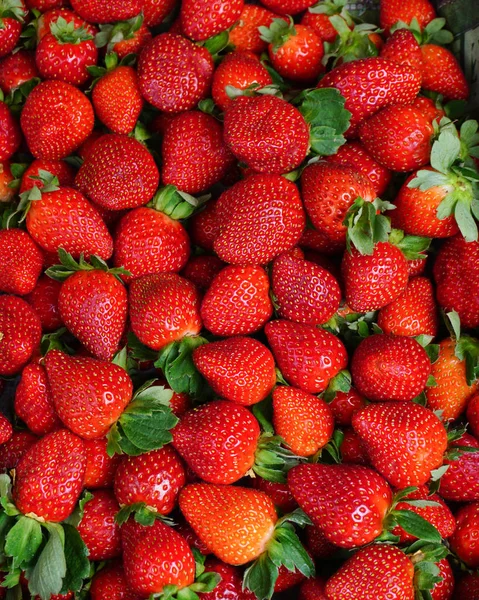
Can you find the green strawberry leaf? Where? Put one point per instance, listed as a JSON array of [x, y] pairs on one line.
[[365, 227], [23, 541], [140, 511], [263, 411], [277, 33], [412, 246], [426, 179], [261, 577], [76, 557], [339, 383], [175, 203], [324, 140], [465, 220], [217, 43], [416, 525], [467, 349], [273, 460], [121, 358], [45, 578], [445, 151]]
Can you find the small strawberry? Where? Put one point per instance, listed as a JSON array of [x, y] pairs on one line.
[[307, 357], [464, 540], [6, 429], [313, 589], [467, 587], [100, 467], [110, 582], [287, 7], [279, 493], [20, 262], [44, 301], [245, 34], [98, 528], [125, 37], [460, 482], [13, 450], [32, 176], [230, 584], [202, 19], [239, 369], [442, 73], [392, 11], [202, 269], [403, 48], [95, 11], [16, 69], [12, 17], [205, 226], [10, 134], [345, 404], [404, 441], [237, 302]]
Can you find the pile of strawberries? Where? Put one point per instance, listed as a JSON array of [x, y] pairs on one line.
[[239, 288]]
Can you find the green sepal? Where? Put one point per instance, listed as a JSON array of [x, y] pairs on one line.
[[12, 9], [339, 383], [467, 349], [68, 32], [331, 452], [278, 33], [77, 514], [263, 411], [139, 351], [426, 179], [121, 358], [415, 525], [111, 34], [412, 246], [350, 44], [436, 475], [332, 7], [50, 184], [273, 460], [175, 203], [45, 577], [23, 541], [69, 266], [217, 43], [142, 514], [431, 381], [432, 33], [453, 324], [365, 227], [55, 341], [76, 557]]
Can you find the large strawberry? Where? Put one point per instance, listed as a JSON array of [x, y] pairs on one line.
[[98, 528], [392, 11], [201, 19], [20, 262], [442, 73]]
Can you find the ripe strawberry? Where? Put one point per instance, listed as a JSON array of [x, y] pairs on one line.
[[392, 11], [387, 367], [328, 192], [202, 269], [6, 429], [117, 99], [245, 34], [100, 468], [444, 589], [10, 134], [239, 369], [464, 540], [460, 482], [174, 74], [98, 528], [279, 493], [313, 589], [398, 137], [16, 69], [95, 11], [370, 84], [258, 218], [237, 302], [404, 441], [432, 110], [442, 73], [48, 19], [89, 394], [373, 281], [118, 173], [127, 37], [163, 308], [32, 176], [287, 7], [44, 5], [305, 422], [472, 414], [352, 450], [345, 404], [12, 16], [154, 478], [193, 152], [320, 22], [154, 557], [308, 357], [230, 584], [346, 502], [13, 450], [413, 312], [218, 441], [467, 587], [267, 133], [56, 119], [20, 333], [44, 301], [373, 572], [110, 582], [452, 390], [403, 48], [6, 192], [49, 476], [205, 226], [202, 19], [20, 262]]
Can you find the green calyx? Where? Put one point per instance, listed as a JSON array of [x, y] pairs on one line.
[[273, 460], [109, 35], [350, 44], [50, 184], [69, 266], [284, 548], [68, 33], [467, 347], [339, 383], [366, 225], [332, 7], [278, 33], [12, 9], [425, 555], [433, 33], [175, 203], [143, 514], [412, 246]]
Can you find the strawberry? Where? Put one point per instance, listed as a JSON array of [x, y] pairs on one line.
[[155, 557], [328, 192], [346, 502], [460, 482], [472, 414], [318, 18], [370, 84], [202, 269], [48, 19], [287, 7], [392, 11], [442, 73], [154, 12], [16, 69], [6, 429], [6, 178], [20, 262], [32, 176], [245, 34], [403, 48], [20, 333], [205, 226], [118, 173], [304, 291], [193, 152], [154, 478], [352, 450], [78, 387], [14, 449], [312, 589], [218, 441], [237, 302], [95, 11], [49, 476], [464, 540], [308, 357], [56, 119], [295, 51], [98, 528], [110, 582], [10, 134], [430, 109], [444, 589], [404, 441], [230, 584], [258, 218], [174, 74], [305, 422], [413, 312], [467, 587], [44, 5], [267, 133], [44, 301], [117, 99], [100, 468], [239, 369], [125, 37], [202, 19], [279, 493], [163, 308], [398, 137], [287, 579], [345, 404], [12, 16], [387, 367]]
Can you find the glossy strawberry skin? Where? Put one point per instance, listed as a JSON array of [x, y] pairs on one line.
[[307, 357], [6, 429], [230, 586], [402, 47], [95, 11], [16, 69], [279, 493], [464, 539], [100, 468], [239, 369], [44, 301], [98, 528], [287, 7], [49, 476], [345, 404], [202, 19], [460, 482], [245, 35], [14, 449], [111, 583], [347, 502], [393, 11], [442, 73], [21, 262], [298, 58]]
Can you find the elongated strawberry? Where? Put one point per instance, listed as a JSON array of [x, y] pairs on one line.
[[308, 357], [245, 35], [20, 262], [459, 482], [404, 441], [464, 540], [442, 73], [201, 19], [110, 582], [393, 11], [98, 528], [10, 134], [44, 301], [239, 369]]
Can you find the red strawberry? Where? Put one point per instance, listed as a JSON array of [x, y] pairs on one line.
[[413, 312], [118, 173], [10, 135], [154, 557], [345, 404], [245, 34], [442, 73], [313, 589], [14, 449], [472, 414], [12, 16], [20, 333], [370, 84], [239, 369], [50, 17], [392, 11], [100, 468], [287, 7], [403, 48], [444, 589], [218, 441], [467, 587], [16, 69], [32, 176], [431, 110], [460, 482], [44, 301], [49, 476], [154, 478], [258, 219], [352, 450], [230, 585], [202, 19], [117, 99], [464, 540], [347, 502], [174, 74], [304, 421], [127, 37], [6, 429], [398, 137], [95, 11], [89, 394], [194, 154], [267, 133], [20, 262], [237, 302], [373, 281], [98, 528], [56, 119], [6, 177], [404, 441], [163, 308], [110, 582], [202, 269], [155, 11], [387, 367], [204, 226], [279, 493]]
